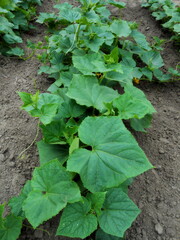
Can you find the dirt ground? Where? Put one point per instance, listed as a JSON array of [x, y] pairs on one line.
[[157, 192]]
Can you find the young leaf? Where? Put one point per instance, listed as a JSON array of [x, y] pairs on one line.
[[77, 221], [115, 154], [97, 200], [48, 152], [52, 189], [118, 209], [86, 91]]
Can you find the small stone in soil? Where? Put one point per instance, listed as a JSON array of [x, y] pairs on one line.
[[159, 228], [2, 157], [161, 151], [11, 164]]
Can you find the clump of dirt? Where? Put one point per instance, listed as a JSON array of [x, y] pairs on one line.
[[155, 192]]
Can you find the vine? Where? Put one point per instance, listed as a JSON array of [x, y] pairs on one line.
[[88, 157]]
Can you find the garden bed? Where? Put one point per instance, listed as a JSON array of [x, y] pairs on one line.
[[155, 192]]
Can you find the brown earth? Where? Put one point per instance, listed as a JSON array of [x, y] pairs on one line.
[[157, 192]]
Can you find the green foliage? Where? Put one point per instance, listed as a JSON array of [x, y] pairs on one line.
[[87, 155], [167, 12], [15, 16]]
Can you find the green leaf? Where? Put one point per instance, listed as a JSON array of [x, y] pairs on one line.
[[69, 108], [140, 39], [44, 106], [16, 51], [11, 39], [97, 201], [48, 152], [77, 221], [115, 154], [52, 189], [117, 4], [2, 207], [74, 145], [86, 91], [177, 28], [141, 124], [133, 103], [113, 57], [147, 73], [46, 17], [94, 44], [53, 132], [90, 63], [125, 77], [100, 235], [71, 15], [152, 59], [118, 214], [161, 76], [16, 202], [11, 228], [120, 28], [6, 26]]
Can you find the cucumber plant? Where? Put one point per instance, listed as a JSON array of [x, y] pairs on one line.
[[168, 13], [88, 157], [15, 16]]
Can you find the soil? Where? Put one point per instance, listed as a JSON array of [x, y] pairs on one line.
[[156, 192]]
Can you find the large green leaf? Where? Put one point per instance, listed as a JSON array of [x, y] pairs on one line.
[[77, 221], [118, 214], [115, 154], [86, 91], [120, 28], [52, 189], [48, 152], [133, 104]]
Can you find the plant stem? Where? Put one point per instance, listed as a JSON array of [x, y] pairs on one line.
[[75, 39], [37, 133]]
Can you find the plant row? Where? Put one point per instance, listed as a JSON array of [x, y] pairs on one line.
[[15, 17], [168, 13], [88, 157]]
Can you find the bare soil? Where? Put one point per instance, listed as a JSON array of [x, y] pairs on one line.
[[156, 192]]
